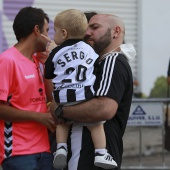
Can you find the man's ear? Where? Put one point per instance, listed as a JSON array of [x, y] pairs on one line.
[[65, 33], [117, 31], [36, 29]]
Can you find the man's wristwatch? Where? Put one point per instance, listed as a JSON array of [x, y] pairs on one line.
[[59, 112]]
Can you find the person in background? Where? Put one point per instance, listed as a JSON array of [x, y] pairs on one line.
[[89, 15], [71, 66], [168, 74], [24, 120], [114, 90], [135, 82], [136, 93]]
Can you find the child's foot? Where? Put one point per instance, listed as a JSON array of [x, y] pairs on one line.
[[60, 158], [104, 161]]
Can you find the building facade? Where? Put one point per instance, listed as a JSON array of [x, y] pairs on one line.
[[126, 9]]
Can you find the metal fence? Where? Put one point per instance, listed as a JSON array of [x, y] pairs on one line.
[[148, 113]]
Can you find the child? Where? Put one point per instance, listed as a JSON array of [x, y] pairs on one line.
[[71, 66]]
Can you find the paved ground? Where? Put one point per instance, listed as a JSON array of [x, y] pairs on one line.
[[151, 150]]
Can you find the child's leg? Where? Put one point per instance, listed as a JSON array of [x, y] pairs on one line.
[[102, 158], [60, 157], [98, 136], [62, 131]]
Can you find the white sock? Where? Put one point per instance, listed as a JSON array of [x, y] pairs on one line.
[[101, 151], [62, 144]]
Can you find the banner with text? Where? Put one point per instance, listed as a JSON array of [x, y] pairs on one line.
[[146, 114]]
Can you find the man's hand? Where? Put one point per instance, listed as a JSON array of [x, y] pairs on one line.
[[53, 107], [47, 120], [50, 45]]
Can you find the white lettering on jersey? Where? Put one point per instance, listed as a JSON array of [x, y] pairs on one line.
[[30, 76], [72, 56]]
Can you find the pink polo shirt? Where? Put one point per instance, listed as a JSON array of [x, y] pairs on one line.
[[22, 79]]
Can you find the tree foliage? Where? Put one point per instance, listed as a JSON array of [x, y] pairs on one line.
[[160, 88]]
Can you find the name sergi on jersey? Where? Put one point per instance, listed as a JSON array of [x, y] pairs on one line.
[[73, 70]]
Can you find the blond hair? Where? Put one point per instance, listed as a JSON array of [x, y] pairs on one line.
[[73, 21]]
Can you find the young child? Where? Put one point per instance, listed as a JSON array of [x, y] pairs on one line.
[[71, 66]]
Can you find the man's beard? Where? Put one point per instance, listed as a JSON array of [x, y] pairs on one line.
[[103, 42]]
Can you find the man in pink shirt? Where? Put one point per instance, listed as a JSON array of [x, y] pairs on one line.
[[24, 119]]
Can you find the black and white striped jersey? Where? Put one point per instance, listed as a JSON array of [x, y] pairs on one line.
[[113, 80], [71, 67]]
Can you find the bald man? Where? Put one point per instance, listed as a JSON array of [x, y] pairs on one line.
[[114, 89]]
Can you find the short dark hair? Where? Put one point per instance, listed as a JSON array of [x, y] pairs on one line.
[[26, 19], [90, 14]]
